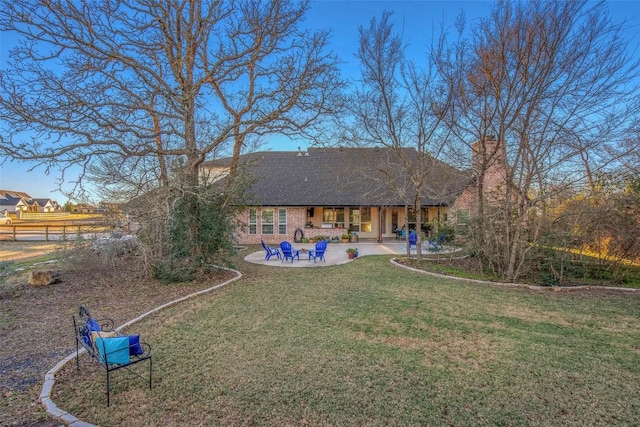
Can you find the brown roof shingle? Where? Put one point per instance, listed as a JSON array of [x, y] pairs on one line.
[[344, 177]]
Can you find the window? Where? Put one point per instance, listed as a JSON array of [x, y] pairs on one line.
[[333, 215], [413, 219], [354, 219], [412, 216], [462, 216], [282, 221], [267, 221], [253, 221], [365, 220], [462, 221], [394, 219], [360, 220]]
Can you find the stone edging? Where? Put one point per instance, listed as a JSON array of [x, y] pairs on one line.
[[516, 285], [49, 378]]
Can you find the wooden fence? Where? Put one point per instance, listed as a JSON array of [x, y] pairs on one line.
[[51, 231]]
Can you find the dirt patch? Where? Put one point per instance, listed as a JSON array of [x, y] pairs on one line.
[[36, 322], [20, 251]]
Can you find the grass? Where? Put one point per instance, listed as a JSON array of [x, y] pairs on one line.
[[557, 268], [368, 344]]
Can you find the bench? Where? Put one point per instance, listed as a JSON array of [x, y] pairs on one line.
[[108, 347]]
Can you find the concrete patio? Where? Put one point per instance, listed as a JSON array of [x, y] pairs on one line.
[[335, 255]]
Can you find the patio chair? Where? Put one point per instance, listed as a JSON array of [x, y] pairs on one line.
[[435, 245], [413, 240], [270, 251], [398, 232], [321, 247], [288, 252]]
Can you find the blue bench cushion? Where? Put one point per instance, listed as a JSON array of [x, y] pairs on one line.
[[116, 350], [135, 349], [92, 325]]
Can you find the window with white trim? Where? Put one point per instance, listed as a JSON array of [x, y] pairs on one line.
[[282, 221], [267, 221], [253, 221]]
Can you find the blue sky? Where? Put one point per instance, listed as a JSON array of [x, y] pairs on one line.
[[416, 20]]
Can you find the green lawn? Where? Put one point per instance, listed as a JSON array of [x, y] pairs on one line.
[[368, 344]]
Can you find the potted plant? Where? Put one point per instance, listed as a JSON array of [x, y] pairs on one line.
[[309, 224], [345, 238], [304, 240], [335, 239], [352, 253]]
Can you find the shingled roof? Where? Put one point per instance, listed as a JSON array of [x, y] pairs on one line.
[[342, 177]]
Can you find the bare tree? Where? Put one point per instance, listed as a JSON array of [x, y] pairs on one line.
[[553, 82], [396, 107], [147, 78], [147, 90]]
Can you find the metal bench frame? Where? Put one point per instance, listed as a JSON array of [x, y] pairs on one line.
[[106, 325]]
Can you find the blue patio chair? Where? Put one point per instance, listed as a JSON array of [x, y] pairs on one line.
[[271, 251], [321, 247], [413, 240], [436, 244], [288, 252], [398, 232]]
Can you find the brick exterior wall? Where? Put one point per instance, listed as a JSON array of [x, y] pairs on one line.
[[494, 181], [296, 219]]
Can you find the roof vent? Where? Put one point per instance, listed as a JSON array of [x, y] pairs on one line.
[[299, 152], [306, 153]]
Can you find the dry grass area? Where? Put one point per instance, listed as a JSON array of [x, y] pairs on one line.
[[360, 344], [36, 322], [20, 251], [368, 344]]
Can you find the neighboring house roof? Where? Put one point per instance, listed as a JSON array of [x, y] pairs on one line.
[[343, 177], [13, 194], [41, 202], [10, 198]]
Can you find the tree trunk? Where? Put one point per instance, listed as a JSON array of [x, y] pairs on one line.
[[406, 226], [418, 227]]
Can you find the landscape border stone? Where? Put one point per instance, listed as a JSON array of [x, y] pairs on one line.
[[49, 378], [516, 285]]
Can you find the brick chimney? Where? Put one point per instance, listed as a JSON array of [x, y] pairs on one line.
[[488, 154]]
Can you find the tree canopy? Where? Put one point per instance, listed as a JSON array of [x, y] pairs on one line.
[[139, 87]]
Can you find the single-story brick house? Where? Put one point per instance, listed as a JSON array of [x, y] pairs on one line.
[[329, 191]]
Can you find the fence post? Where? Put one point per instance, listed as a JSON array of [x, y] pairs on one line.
[[46, 232], [14, 234]]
